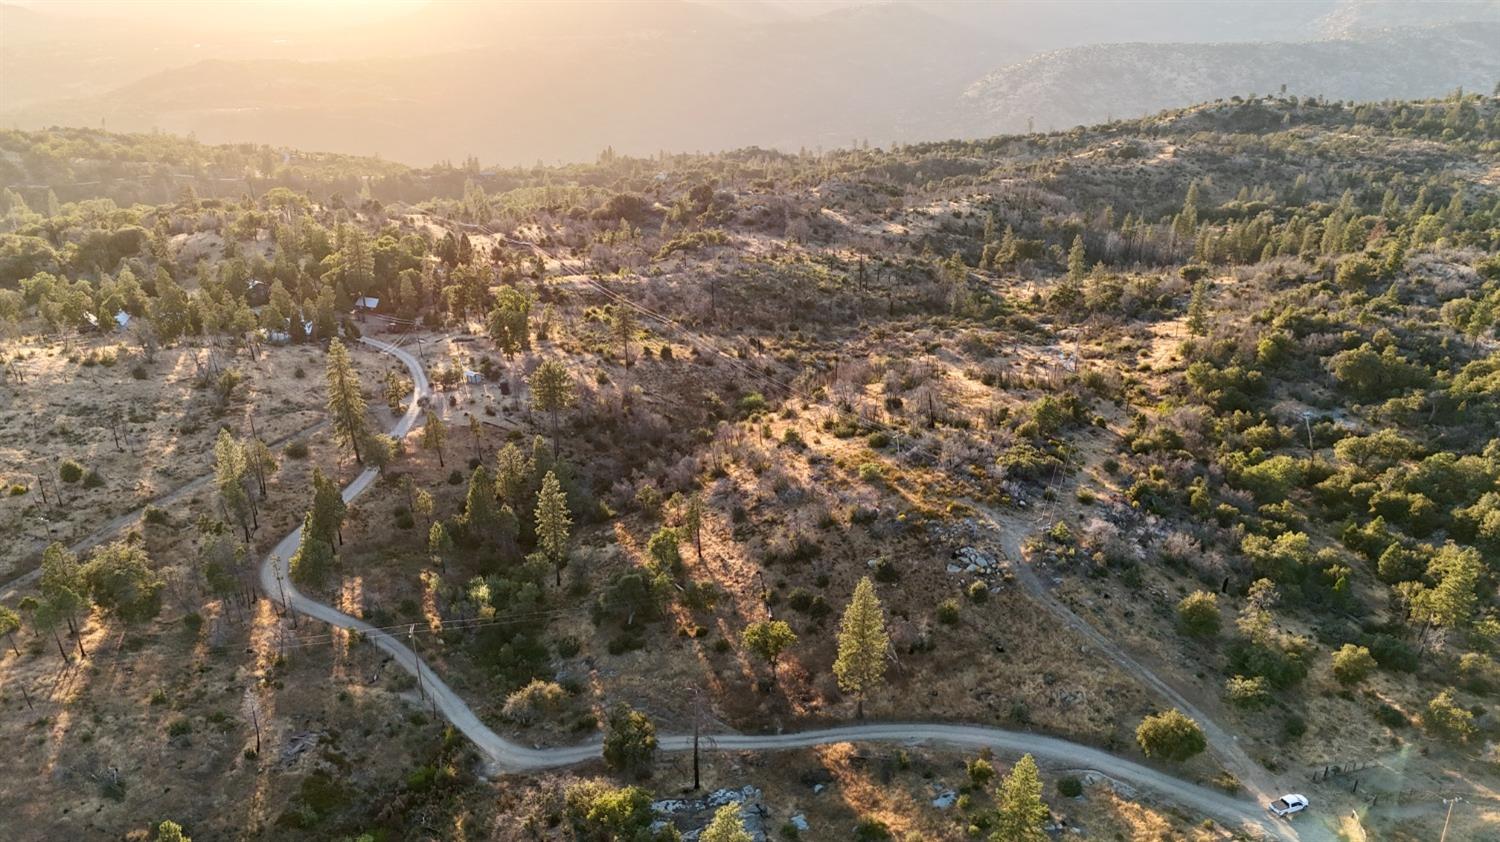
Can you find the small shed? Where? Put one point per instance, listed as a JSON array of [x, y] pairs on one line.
[[472, 376], [365, 304], [257, 294], [122, 320]]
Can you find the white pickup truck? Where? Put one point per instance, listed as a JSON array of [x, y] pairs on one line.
[[1288, 804]]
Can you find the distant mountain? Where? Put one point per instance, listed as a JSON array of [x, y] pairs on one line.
[[644, 80], [514, 83], [1353, 17], [1086, 85]]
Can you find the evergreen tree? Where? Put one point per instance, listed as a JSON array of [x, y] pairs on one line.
[[727, 826], [863, 644], [513, 475], [552, 392], [121, 581], [625, 328], [346, 403], [1021, 815], [433, 435], [313, 560], [553, 522], [1197, 312], [328, 511], [439, 545], [692, 521], [629, 741], [63, 586], [10, 623], [229, 478], [481, 513], [1078, 264]]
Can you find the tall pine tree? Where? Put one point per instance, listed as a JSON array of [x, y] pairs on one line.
[[863, 644], [553, 523], [346, 403]]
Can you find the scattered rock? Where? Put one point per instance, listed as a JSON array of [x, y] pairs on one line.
[[799, 821], [945, 799]]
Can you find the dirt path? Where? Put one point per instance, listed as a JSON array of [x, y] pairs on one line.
[[1223, 744], [506, 756], [9, 590]]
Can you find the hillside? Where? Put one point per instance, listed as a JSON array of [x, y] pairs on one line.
[[1086, 85], [1160, 452]]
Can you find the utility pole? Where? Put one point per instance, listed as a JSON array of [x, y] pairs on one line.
[[281, 586], [1450, 802], [411, 638]]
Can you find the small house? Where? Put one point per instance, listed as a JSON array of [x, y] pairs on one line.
[[366, 304]]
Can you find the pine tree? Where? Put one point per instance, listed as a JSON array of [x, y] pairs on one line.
[[328, 510], [10, 623], [433, 435], [727, 826], [625, 328], [1197, 312], [1077, 260], [553, 522], [346, 403], [692, 521], [863, 644], [62, 585], [513, 475], [229, 478], [313, 560], [552, 392], [481, 513], [1021, 815], [439, 545]]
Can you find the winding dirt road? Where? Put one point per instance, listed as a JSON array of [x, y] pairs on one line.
[[505, 756]]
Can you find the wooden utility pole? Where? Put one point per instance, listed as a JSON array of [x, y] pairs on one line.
[[1450, 802], [411, 639]]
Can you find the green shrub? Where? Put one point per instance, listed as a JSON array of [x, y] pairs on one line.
[[978, 591], [1352, 664], [1247, 693], [1069, 787], [296, 450], [947, 612], [70, 471], [1170, 736], [871, 829], [92, 479], [1198, 614], [155, 515]]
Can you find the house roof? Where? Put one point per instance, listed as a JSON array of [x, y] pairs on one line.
[[367, 302]]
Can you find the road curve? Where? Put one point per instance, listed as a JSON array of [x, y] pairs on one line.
[[506, 756]]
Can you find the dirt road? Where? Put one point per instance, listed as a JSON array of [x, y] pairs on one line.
[[10, 589], [506, 756]]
